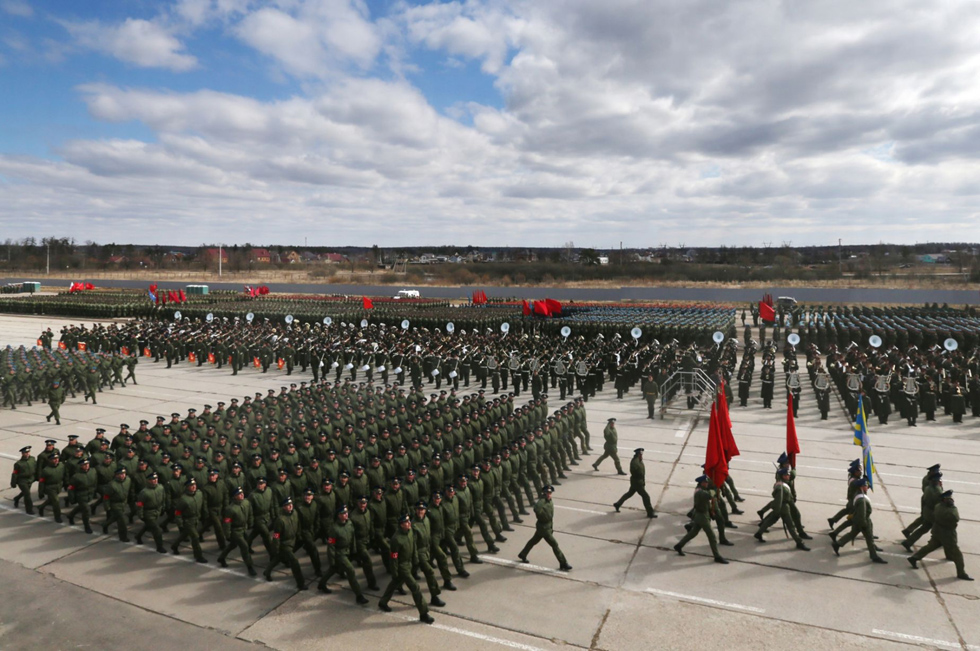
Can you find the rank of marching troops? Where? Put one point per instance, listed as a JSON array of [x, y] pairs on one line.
[[341, 473], [40, 374], [939, 517]]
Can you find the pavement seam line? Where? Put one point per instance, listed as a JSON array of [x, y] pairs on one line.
[[598, 631]]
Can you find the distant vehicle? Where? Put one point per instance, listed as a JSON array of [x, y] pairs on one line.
[[408, 293], [786, 301]]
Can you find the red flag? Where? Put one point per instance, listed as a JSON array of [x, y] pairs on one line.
[[792, 443], [368, 304], [89, 286], [554, 307], [183, 296], [153, 288], [715, 465], [540, 307], [526, 308], [725, 418], [766, 313]]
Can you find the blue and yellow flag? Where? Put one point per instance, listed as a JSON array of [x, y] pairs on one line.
[[861, 438]]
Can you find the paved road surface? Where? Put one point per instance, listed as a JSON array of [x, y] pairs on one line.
[[708, 294]]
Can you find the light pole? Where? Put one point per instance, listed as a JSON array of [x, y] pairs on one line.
[[219, 260], [48, 268], [840, 263]]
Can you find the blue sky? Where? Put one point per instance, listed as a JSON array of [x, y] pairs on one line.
[[496, 122]]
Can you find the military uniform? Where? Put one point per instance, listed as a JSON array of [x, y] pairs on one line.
[[404, 556], [945, 520], [544, 511], [637, 484], [609, 447], [702, 520]]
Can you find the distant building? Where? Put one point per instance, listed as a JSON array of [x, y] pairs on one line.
[[934, 258], [332, 258], [211, 255], [261, 256]]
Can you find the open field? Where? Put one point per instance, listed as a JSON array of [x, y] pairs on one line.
[[628, 590]]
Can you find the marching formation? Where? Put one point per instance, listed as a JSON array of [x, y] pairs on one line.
[[363, 472]]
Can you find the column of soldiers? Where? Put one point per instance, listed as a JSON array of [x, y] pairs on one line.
[[29, 375], [359, 470], [938, 516]]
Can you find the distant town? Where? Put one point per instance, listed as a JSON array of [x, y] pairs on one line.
[[517, 265]]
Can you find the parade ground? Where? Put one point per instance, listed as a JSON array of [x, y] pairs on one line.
[[628, 589]]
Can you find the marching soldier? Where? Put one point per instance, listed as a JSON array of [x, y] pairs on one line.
[[285, 531], [544, 511], [342, 542], [404, 556], [23, 477], [945, 520], [702, 520], [150, 502], [637, 484], [609, 447], [860, 524]]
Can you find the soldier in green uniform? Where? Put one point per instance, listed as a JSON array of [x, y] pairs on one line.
[[216, 496], [925, 484], [237, 520], [342, 541], [362, 519], [609, 447], [150, 502], [651, 393], [945, 519], [638, 482], [421, 527], [23, 477], [404, 555], [261, 500], [782, 498], [451, 521], [285, 532], [309, 521], [544, 511], [702, 520], [51, 479], [932, 495], [116, 497], [56, 396], [187, 513], [860, 524], [82, 487], [437, 531]]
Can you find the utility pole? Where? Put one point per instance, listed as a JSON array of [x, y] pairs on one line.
[[48, 271], [840, 263]]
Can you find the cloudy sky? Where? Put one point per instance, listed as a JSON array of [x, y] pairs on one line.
[[490, 122]]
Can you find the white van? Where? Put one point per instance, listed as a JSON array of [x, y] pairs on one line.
[[408, 293]]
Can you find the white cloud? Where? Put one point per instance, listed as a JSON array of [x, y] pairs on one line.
[[17, 8], [646, 121], [318, 38], [142, 43]]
